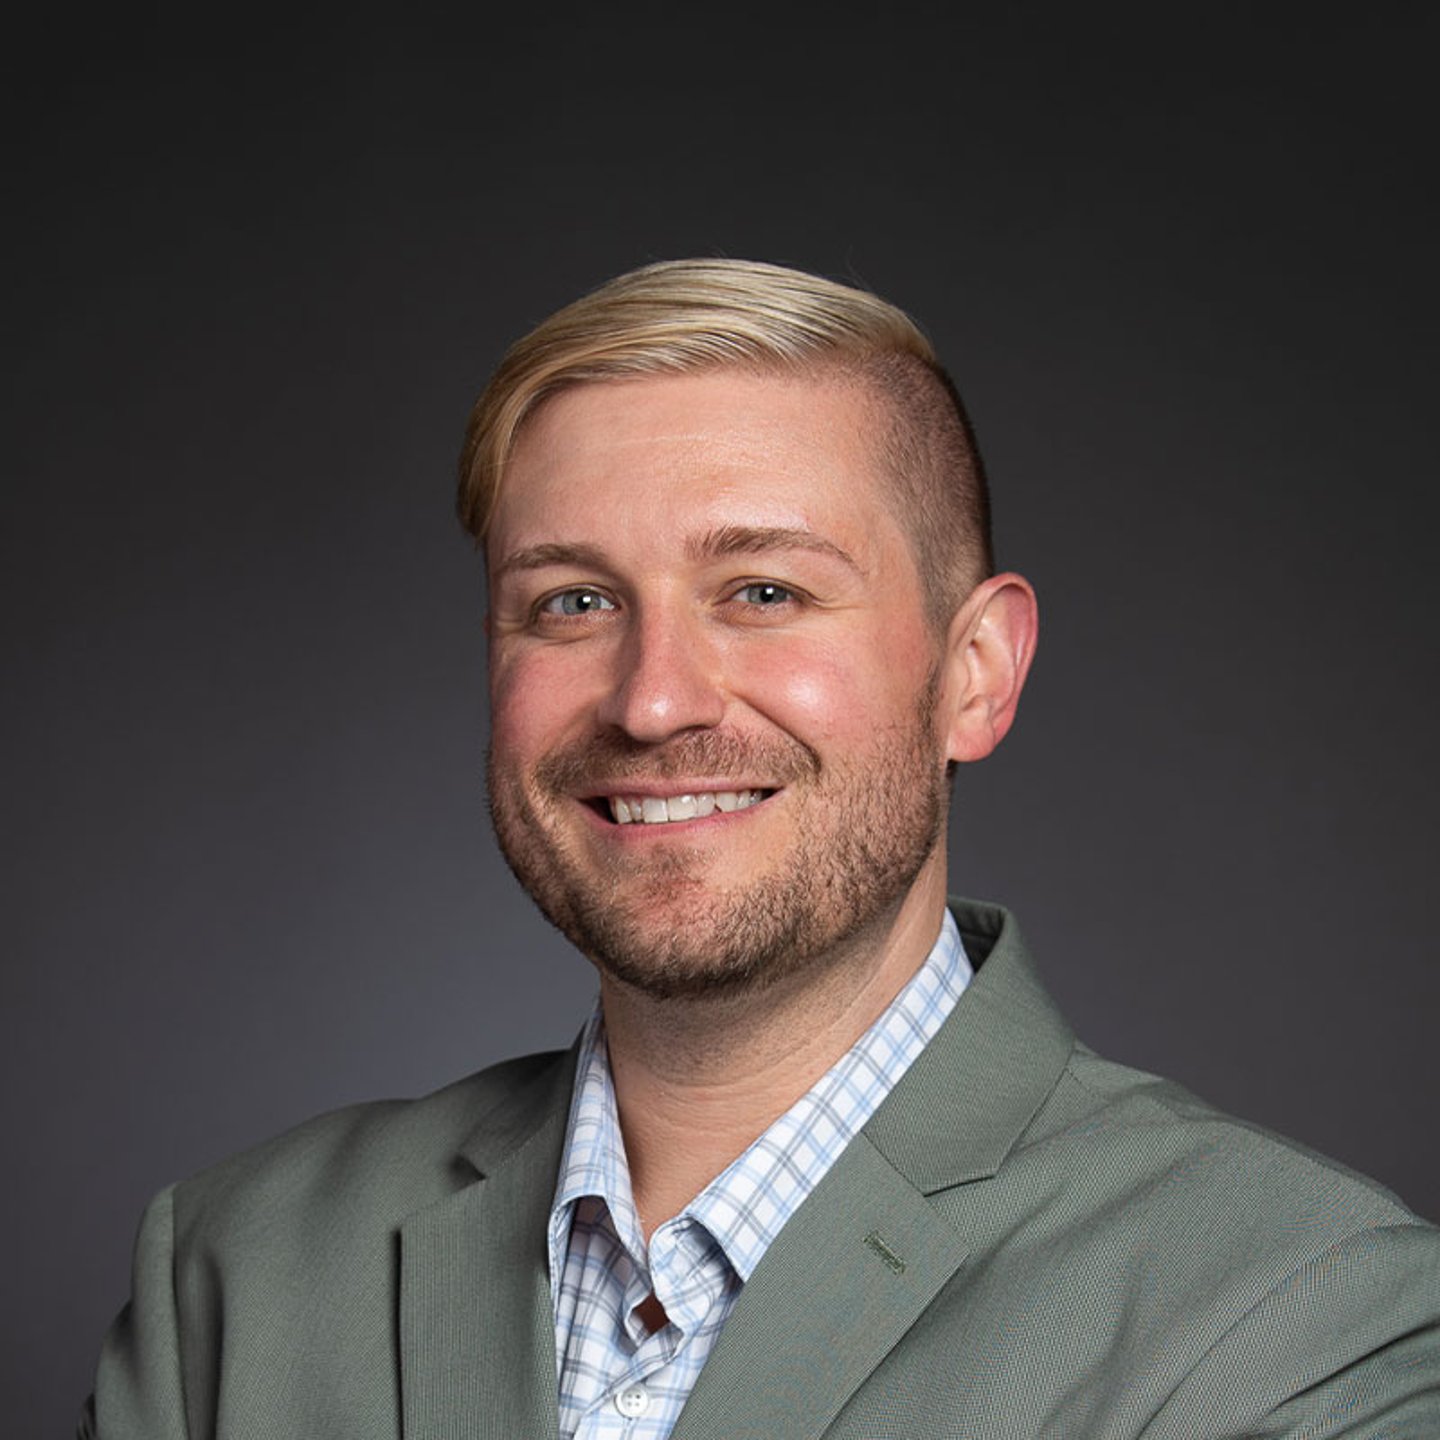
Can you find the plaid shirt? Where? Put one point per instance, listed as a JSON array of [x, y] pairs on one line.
[[615, 1378]]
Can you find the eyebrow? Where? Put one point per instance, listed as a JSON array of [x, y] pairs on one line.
[[713, 545], [757, 539], [537, 557]]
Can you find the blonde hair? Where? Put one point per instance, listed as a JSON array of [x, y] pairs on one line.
[[683, 316]]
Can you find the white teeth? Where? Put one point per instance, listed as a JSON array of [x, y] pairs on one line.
[[653, 810]]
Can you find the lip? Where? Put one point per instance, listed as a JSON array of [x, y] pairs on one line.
[[667, 788], [597, 808]]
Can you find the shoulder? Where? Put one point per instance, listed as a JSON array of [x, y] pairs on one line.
[[1189, 1270], [281, 1263], [1138, 1165], [1112, 1136], [374, 1161], [1143, 1129], [1182, 1210]]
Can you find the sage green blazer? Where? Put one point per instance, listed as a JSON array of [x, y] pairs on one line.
[[1025, 1241]]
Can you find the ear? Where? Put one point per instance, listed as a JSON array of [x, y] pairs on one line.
[[989, 646]]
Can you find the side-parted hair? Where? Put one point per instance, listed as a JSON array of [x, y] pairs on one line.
[[685, 316]]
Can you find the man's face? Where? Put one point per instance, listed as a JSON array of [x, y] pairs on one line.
[[714, 753]]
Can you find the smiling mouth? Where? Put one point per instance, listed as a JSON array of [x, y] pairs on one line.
[[667, 809]]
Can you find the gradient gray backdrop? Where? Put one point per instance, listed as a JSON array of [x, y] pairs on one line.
[[1181, 267]]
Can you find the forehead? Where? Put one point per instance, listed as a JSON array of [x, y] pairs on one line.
[[712, 448]]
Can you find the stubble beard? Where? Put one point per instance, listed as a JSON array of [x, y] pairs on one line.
[[862, 831]]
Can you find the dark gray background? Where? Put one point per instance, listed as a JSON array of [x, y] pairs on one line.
[[1182, 269]]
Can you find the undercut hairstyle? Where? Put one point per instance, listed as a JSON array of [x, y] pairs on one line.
[[687, 316]]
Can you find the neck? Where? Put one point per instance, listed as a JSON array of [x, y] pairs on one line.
[[697, 1081]]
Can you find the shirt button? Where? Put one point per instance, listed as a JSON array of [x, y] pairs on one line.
[[633, 1401]]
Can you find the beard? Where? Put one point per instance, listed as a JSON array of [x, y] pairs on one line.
[[861, 829]]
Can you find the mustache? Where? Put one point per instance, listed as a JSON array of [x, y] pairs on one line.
[[605, 762]]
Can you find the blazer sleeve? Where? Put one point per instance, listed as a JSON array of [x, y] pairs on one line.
[[1346, 1348], [139, 1390]]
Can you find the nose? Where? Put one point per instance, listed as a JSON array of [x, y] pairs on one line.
[[665, 680]]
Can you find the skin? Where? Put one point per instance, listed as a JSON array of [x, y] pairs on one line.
[[697, 584]]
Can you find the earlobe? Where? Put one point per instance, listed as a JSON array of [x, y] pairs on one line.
[[990, 646]]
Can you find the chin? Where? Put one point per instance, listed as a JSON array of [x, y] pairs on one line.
[[682, 941]]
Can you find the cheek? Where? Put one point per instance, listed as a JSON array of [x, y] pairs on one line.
[[530, 707], [809, 700], [836, 692]]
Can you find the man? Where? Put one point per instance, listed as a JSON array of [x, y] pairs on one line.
[[826, 1160]]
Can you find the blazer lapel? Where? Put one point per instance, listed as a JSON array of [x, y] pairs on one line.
[[867, 1252], [477, 1331], [846, 1278]]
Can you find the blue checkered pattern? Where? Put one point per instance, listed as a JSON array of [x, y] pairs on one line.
[[616, 1379]]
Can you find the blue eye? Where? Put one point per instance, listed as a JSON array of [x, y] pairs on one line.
[[765, 593], [580, 601]]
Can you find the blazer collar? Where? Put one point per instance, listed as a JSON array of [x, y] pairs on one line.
[[532, 1112], [960, 1108]]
